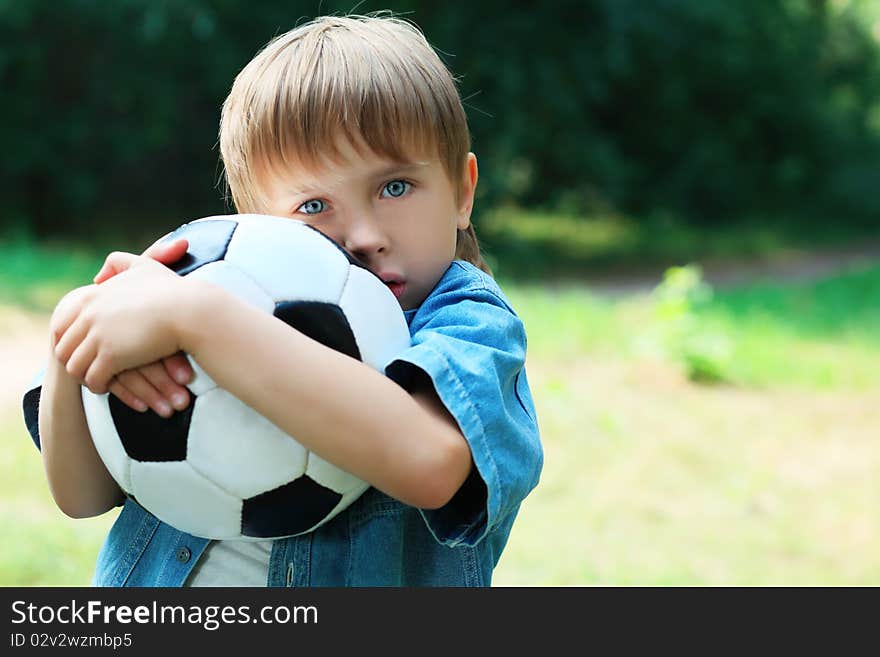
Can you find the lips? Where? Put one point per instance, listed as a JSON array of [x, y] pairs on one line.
[[396, 288], [394, 282]]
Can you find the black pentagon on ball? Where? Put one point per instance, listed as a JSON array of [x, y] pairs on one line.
[[324, 322], [290, 509], [208, 241], [150, 437]]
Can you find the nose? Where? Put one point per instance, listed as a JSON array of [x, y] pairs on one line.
[[364, 237]]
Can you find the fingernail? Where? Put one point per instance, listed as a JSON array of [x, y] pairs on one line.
[[163, 409], [140, 406], [179, 400], [181, 376]]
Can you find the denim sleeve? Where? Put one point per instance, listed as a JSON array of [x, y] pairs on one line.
[[473, 346], [31, 406]]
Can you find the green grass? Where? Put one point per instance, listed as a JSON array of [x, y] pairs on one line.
[[42, 546], [824, 334], [656, 483], [649, 478], [769, 479], [818, 335]]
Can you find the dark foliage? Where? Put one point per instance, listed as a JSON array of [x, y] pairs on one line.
[[705, 110]]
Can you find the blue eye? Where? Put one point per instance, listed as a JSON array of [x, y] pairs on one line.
[[396, 188], [314, 206]]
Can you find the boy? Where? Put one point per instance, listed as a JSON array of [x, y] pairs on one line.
[[355, 126]]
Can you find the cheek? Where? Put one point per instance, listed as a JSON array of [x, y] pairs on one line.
[[438, 242], [431, 240]]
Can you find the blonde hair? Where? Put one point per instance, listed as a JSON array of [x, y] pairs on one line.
[[372, 79]]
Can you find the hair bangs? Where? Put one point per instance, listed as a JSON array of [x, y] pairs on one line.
[[376, 84]]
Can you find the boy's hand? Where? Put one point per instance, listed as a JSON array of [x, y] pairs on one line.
[[158, 385], [153, 386], [102, 330]]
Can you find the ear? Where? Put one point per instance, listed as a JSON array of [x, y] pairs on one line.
[[469, 187]]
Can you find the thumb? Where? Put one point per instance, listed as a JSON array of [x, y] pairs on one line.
[[167, 252], [116, 263]]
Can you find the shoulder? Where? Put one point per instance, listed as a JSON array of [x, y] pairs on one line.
[[463, 277], [466, 325], [463, 295]]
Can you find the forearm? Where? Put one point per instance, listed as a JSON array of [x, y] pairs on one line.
[[344, 411], [78, 480]]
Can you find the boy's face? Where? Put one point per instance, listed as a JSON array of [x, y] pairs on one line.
[[398, 219]]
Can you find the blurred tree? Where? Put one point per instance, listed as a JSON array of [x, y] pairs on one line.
[[704, 109]]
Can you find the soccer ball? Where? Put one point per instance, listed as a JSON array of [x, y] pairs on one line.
[[218, 469]]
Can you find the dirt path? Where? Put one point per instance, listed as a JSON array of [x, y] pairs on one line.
[[786, 266], [23, 350]]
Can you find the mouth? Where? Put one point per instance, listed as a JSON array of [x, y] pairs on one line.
[[394, 283], [396, 288]]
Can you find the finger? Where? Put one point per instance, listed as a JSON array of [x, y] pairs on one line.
[[167, 252], [126, 396], [171, 391], [138, 385], [159, 242], [178, 367], [71, 339], [98, 375], [67, 311], [115, 263], [81, 360]]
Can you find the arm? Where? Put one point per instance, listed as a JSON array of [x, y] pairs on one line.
[[406, 445], [78, 480], [346, 412]]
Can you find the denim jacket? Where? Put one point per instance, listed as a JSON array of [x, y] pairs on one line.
[[469, 341]]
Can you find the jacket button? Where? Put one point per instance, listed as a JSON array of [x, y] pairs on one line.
[[183, 554]]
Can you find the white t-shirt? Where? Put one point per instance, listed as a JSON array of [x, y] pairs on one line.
[[232, 563]]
